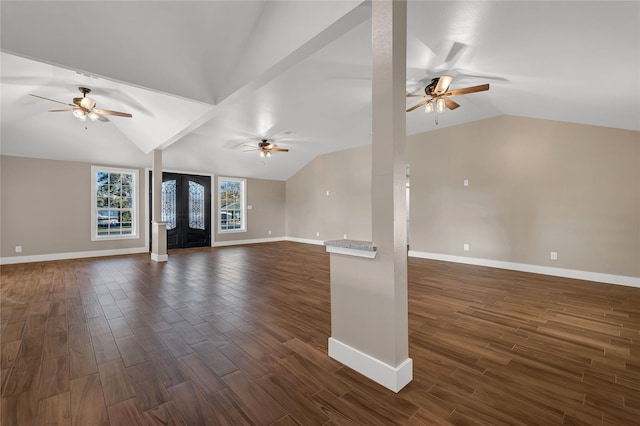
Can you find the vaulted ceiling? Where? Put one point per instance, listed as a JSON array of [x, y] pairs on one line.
[[204, 78]]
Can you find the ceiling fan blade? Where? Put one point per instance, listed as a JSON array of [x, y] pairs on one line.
[[456, 48], [108, 112], [280, 149], [416, 96], [466, 90], [451, 104], [464, 74], [418, 105], [253, 147], [103, 119], [443, 84], [61, 110], [52, 100]]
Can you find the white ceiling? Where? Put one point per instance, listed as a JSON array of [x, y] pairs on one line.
[[204, 78]]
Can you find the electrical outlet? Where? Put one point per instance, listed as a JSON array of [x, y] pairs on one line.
[[269, 231], [345, 236], [318, 234], [465, 182], [18, 249], [465, 247], [327, 193], [554, 255]]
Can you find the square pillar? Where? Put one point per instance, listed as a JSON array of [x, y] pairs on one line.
[[369, 301], [158, 229]]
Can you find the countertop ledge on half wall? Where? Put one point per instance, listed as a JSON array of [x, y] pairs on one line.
[[352, 248]]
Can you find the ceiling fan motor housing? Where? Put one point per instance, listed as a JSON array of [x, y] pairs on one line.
[[265, 144], [428, 90]]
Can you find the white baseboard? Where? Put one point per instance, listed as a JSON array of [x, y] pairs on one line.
[[159, 257], [242, 242], [536, 269], [70, 255], [267, 240], [523, 267], [115, 252], [394, 378], [305, 241]]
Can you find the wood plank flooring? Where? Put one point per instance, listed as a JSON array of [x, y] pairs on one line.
[[238, 335]]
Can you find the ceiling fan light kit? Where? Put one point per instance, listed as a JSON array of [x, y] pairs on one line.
[[428, 107], [80, 114]]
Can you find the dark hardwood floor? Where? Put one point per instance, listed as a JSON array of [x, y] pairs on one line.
[[238, 335]]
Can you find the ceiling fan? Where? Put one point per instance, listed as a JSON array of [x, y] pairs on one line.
[[85, 107], [437, 95], [265, 147]]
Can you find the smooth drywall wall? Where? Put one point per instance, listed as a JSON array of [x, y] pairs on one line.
[[331, 197], [46, 208], [535, 187], [267, 199]]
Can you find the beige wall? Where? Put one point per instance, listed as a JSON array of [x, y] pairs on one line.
[[46, 208], [535, 186], [267, 199], [347, 208]]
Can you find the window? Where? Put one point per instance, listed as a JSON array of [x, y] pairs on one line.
[[231, 205], [114, 203]]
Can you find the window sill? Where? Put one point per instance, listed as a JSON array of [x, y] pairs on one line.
[[231, 231], [114, 237]]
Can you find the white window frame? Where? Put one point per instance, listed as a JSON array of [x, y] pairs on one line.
[[243, 205], [94, 207]]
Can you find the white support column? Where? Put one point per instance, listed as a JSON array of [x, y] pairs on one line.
[[158, 228], [369, 305]]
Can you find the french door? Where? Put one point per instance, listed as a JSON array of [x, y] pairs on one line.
[[186, 209]]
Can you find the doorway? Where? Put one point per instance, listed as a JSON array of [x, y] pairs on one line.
[[186, 209]]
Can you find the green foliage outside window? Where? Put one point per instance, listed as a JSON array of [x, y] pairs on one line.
[[115, 194]]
